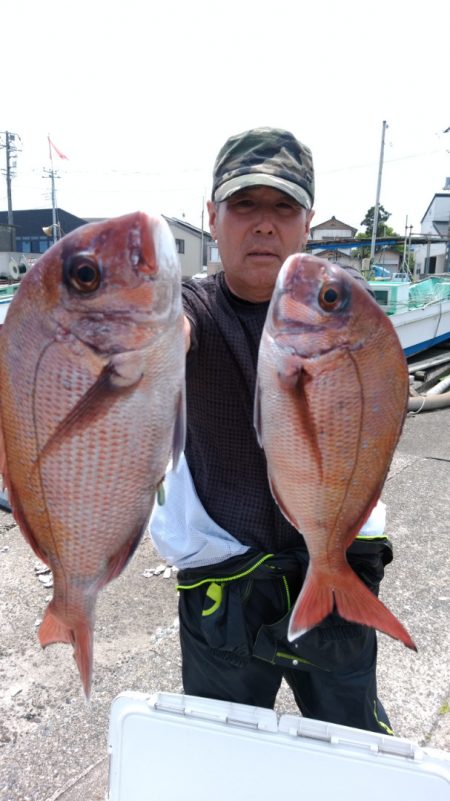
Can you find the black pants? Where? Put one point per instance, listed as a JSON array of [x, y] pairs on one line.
[[233, 624]]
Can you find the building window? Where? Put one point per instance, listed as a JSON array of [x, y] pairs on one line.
[[179, 245], [33, 244], [214, 253], [23, 244]]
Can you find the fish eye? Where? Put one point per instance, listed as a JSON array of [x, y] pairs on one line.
[[331, 297], [82, 273]]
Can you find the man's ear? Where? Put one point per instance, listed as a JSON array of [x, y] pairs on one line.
[[212, 214]]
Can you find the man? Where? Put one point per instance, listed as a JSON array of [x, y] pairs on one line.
[[241, 564]]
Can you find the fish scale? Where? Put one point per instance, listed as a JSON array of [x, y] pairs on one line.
[[331, 399], [91, 408]]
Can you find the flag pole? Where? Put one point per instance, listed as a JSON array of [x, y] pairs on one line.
[[52, 177]]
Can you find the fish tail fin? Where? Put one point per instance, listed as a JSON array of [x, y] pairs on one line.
[[84, 647], [313, 604], [53, 629], [355, 602]]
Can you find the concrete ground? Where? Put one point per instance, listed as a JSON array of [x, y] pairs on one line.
[[53, 745]]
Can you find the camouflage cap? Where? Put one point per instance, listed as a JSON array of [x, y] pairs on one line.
[[265, 157]]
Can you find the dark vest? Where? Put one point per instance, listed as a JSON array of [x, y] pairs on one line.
[[227, 465]]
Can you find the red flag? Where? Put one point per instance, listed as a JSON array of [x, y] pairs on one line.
[[58, 152]]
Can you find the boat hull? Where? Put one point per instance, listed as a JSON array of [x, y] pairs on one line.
[[420, 329]]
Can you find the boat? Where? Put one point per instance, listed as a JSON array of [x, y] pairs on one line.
[[7, 292], [419, 311]]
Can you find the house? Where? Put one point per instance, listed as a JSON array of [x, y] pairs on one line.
[[28, 239], [341, 257], [388, 258], [29, 224], [340, 246], [330, 231], [192, 246], [434, 257]]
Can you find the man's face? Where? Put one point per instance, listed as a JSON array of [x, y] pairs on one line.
[[256, 230]]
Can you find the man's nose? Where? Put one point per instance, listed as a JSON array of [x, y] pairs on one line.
[[264, 223]]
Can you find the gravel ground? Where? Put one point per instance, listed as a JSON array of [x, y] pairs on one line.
[[53, 743]]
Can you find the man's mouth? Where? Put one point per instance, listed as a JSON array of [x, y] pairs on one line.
[[262, 253]]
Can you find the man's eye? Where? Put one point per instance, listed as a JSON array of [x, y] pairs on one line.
[[287, 208], [243, 205]]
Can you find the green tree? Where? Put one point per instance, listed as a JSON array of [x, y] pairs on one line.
[[382, 228], [383, 231]]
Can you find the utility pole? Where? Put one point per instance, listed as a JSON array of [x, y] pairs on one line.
[[11, 148], [377, 201], [55, 230], [404, 268]]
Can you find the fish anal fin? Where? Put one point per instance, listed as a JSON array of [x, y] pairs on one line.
[[2, 450], [257, 418], [120, 559], [179, 430], [277, 497], [363, 518]]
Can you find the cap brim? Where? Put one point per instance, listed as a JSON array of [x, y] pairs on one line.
[[295, 191]]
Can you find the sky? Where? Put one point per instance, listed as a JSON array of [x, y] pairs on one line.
[[141, 96]]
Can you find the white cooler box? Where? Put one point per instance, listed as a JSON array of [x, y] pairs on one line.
[[169, 747]]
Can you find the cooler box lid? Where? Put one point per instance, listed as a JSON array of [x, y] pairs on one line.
[[167, 747]]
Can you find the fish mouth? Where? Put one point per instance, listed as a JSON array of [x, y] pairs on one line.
[[294, 348], [305, 355], [139, 318]]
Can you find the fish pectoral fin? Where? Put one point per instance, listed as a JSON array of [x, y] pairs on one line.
[[179, 429], [126, 369], [117, 378], [290, 374]]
